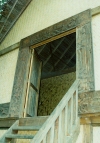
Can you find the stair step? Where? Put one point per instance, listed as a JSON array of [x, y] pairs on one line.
[[32, 121], [17, 136], [25, 128]]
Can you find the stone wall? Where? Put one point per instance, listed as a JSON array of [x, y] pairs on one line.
[[52, 90], [43, 13]]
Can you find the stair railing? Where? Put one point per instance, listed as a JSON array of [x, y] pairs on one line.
[[61, 123]]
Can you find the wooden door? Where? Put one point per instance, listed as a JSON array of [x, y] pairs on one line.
[[33, 84]]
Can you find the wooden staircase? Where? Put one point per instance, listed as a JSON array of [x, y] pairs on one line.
[[62, 126]]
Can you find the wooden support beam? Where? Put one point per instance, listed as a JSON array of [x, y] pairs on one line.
[[9, 49], [87, 134], [93, 120], [7, 122], [95, 11], [89, 103]]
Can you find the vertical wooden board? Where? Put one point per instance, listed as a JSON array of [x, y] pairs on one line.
[[36, 71], [84, 65], [69, 118], [32, 99], [87, 134], [74, 108], [20, 83]]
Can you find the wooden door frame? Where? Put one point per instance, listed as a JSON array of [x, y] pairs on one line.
[[81, 23]]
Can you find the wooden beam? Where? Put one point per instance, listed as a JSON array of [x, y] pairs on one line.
[[87, 134], [7, 122], [89, 103], [94, 120], [95, 11], [9, 49], [58, 30]]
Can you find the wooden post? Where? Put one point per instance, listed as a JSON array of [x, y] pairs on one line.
[[87, 133]]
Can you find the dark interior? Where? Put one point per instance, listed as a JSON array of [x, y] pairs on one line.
[[58, 56]]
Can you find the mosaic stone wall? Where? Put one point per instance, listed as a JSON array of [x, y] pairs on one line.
[[52, 90]]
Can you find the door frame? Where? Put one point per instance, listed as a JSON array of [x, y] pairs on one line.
[[81, 24]]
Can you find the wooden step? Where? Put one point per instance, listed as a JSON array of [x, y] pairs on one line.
[[17, 136], [33, 121], [26, 128]]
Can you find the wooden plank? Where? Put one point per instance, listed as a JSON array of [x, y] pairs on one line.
[[74, 134], [17, 136], [94, 120], [52, 134], [57, 30], [56, 130], [89, 103], [26, 128], [33, 121], [33, 85], [60, 128], [32, 100], [95, 11], [66, 117], [4, 108], [28, 85], [84, 52], [7, 122], [36, 71], [20, 83], [9, 49], [69, 121], [87, 134]]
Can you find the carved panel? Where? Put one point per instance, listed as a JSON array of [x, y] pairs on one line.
[[84, 66], [89, 102], [4, 108], [19, 86], [58, 28]]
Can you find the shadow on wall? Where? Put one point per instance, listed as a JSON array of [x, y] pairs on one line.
[[52, 90]]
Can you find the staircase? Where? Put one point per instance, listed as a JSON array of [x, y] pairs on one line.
[[62, 126]]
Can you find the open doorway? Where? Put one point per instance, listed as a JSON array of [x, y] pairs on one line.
[[58, 71]]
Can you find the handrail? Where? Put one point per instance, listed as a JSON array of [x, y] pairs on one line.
[[62, 120]]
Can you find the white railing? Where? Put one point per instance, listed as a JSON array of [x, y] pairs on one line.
[[62, 121]]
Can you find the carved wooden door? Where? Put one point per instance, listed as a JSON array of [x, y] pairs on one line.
[[33, 84]]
